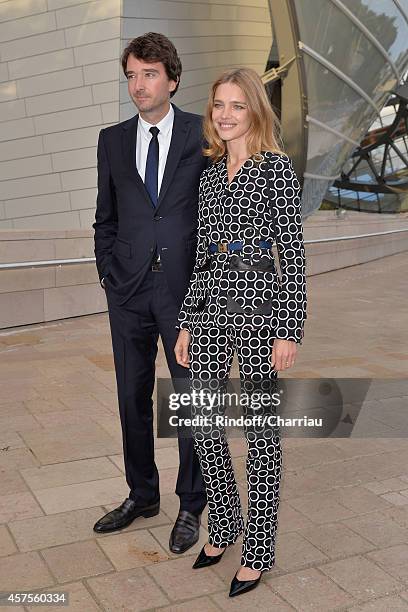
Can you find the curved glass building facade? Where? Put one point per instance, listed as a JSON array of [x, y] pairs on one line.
[[345, 58]]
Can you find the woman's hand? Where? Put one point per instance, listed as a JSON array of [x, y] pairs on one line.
[[283, 354], [181, 348]]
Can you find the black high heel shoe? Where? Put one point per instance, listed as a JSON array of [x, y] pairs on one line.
[[238, 587], [204, 560]]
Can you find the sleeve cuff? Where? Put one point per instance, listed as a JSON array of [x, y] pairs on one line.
[[282, 333], [183, 325]]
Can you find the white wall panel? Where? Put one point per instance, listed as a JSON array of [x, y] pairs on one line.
[[8, 91], [79, 117], [12, 110], [57, 4], [13, 9], [35, 185], [4, 75], [83, 198], [87, 12], [61, 100], [102, 71], [27, 26], [92, 32], [97, 52], [68, 140], [10, 130], [78, 179], [59, 76], [33, 45], [69, 219], [29, 166], [22, 147], [73, 160], [41, 64], [105, 92], [41, 205], [110, 112], [50, 82]]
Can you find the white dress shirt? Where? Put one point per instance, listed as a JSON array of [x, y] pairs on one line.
[[143, 140]]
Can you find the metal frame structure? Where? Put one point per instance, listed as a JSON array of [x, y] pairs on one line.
[[288, 66], [328, 128], [384, 137], [340, 74], [343, 8], [401, 10]]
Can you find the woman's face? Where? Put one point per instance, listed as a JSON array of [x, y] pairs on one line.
[[230, 114]]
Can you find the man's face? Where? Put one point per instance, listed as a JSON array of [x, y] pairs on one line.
[[149, 86]]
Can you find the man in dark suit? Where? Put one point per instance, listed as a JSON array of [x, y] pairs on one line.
[[145, 242]]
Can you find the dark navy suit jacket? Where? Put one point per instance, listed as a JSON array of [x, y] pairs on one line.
[[128, 228]]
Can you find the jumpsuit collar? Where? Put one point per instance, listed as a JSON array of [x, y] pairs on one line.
[[223, 171]]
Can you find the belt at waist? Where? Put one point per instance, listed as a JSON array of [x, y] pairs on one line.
[[228, 247]]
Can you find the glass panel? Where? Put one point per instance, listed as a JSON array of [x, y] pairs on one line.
[[390, 202], [312, 195], [377, 156], [363, 201], [333, 35], [326, 152], [363, 173], [333, 102], [385, 21], [404, 6], [329, 32], [395, 163]]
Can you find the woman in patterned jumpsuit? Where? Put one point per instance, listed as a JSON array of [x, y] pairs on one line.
[[248, 199]]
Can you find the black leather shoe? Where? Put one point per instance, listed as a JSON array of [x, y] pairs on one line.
[[122, 517], [204, 560], [185, 532], [238, 587]]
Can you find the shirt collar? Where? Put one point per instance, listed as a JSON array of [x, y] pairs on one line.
[[164, 124]]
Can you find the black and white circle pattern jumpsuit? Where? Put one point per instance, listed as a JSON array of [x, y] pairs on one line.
[[237, 302]]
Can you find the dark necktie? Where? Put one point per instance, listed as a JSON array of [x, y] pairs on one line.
[[152, 166]]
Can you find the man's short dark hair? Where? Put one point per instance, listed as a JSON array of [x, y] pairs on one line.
[[154, 47]]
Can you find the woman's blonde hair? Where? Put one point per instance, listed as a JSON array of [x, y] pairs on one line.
[[265, 131]]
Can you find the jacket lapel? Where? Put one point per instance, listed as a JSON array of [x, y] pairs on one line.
[[129, 155], [181, 130]]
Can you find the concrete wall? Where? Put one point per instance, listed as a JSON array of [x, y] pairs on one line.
[[59, 85], [60, 82], [34, 295]]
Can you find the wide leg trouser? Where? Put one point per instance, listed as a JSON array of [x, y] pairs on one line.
[[211, 355]]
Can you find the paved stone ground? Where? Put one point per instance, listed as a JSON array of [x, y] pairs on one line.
[[343, 530]]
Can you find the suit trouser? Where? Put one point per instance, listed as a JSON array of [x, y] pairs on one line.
[[211, 355], [135, 329]]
